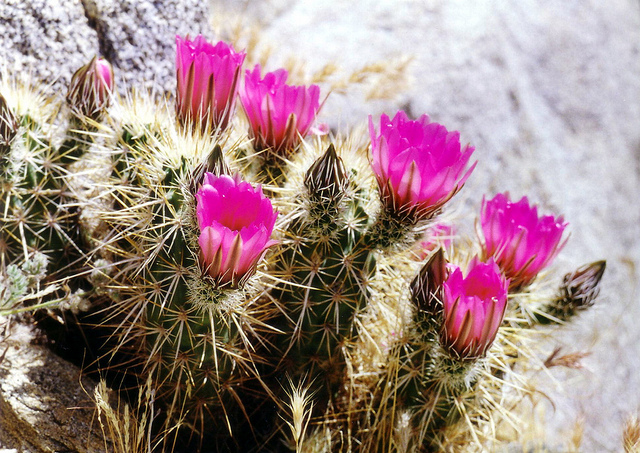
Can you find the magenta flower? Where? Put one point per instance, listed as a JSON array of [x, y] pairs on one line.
[[236, 221], [419, 165], [105, 73], [520, 242], [473, 308], [207, 82], [439, 235], [279, 114], [90, 88]]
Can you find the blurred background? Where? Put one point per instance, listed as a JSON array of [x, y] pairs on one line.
[[547, 91]]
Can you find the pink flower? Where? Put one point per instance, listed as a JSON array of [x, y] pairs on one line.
[[236, 222], [279, 114], [105, 74], [207, 82], [436, 236], [473, 308], [419, 165], [90, 88], [521, 242]]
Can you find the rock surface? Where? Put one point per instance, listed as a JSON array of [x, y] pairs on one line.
[[45, 402], [547, 92], [48, 38], [53, 38]]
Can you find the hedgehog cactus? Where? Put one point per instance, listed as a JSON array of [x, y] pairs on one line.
[[220, 289], [456, 322], [39, 216], [325, 267], [184, 255]]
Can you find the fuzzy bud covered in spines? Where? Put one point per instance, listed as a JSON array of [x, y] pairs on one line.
[[419, 165], [8, 126], [426, 287], [215, 164], [582, 286], [473, 309], [90, 89], [520, 242], [236, 221], [207, 78], [279, 114], [326, 182], [577, 293], [327, 178]]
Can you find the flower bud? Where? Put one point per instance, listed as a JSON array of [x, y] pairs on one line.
[[327, 178], [90, 89], [436, 236], [577, 293], [426, 288], [214, 164], [581, 287]]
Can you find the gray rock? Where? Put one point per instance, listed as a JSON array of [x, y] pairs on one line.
[[53, 38], [44, 401], [48, 38], [138, 37]]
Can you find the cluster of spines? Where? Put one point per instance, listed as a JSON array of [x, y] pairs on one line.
[[39, 216], [325, 268]]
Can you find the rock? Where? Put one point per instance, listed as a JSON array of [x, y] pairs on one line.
[[138, 37], [45, 402], [53, 38], [48, 38]]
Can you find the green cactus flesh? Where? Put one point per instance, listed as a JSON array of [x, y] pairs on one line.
[[326, 266], [37, 212]]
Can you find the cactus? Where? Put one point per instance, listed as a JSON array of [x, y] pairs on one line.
[[38, 219], [303, 319], [39, 201], [325, 268]]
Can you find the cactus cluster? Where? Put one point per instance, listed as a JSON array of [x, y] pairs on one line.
[[264, 279]]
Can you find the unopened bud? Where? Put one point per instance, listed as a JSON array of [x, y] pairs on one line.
[[8, 125], [580, 288], [327, 177], [214, 164], [578, 292], [90, 89], [426, 288]]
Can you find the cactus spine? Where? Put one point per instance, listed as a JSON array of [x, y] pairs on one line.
[[325, 267], [39, 222]]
